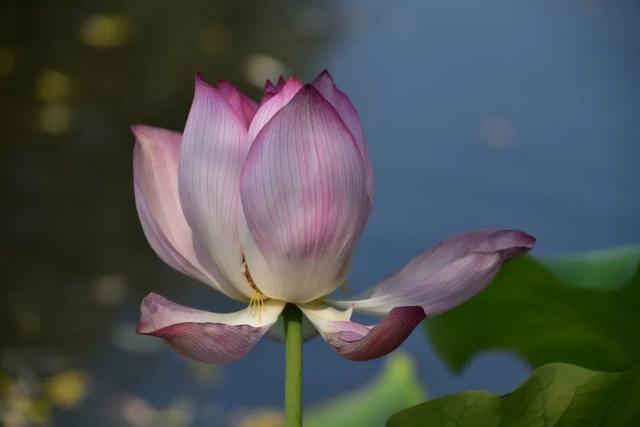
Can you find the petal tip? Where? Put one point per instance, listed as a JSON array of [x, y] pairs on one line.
[[201, 84], [268, 85], [142, 328], [137, 128], [525, 239], [521, 243], [141, 131], [324, 75]]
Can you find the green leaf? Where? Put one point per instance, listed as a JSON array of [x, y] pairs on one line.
[[396, 388], [545, 317], [607, 269], [558, 395]]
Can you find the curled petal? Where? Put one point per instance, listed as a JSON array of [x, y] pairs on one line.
[[349, 115], [213, 152], [244, 106], [202, 335], [355, 341], [303, 190], [155, 176], [446, 275], [284, 92]]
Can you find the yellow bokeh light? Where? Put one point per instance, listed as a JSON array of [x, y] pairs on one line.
[[262, 418], [53, 86], [106, 30], [55, 119], [66, 389], [261, 67]]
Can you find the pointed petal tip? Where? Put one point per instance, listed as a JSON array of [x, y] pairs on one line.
[[201, 84], [519, 243], [524, 239], [310, 93], [280, 83], [292, 81], [144, 133], [137, 128], [324, 74], [142, 328]]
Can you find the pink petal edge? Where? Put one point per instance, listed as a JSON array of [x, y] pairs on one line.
[[204, 336], [446, 275]]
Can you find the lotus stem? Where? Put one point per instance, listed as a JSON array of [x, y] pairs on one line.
[[293, 366]]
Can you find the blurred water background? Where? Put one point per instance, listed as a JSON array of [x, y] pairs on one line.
[[500, 113]]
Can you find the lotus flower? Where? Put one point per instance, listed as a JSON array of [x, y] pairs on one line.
[[265, 202]]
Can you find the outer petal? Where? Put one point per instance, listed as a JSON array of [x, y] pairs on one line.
[[155, 176], [304, 200], [269, 107], [340, 101], [244, 106], [358, 342], [213, 152], [202, 335], [446, 275]]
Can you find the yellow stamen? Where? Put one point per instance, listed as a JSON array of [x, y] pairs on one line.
[[256, 303]]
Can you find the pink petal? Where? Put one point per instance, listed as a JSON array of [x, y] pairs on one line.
[[155, 171], [349, 115], [446, 275], [244, 106], [358, 342], [282, 82], [304, 200], [202, 335], [284, 93], [268, 92], [213, 151]]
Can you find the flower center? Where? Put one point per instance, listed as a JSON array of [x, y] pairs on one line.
[[256, 303]]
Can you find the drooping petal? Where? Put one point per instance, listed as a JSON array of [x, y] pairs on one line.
[[202, 335], [213, 152], [349, 115], [155, 175], [445, 276], [244, 106], [355, 341], [284, 93], [304, 201]]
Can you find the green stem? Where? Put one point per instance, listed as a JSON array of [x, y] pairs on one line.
[[293, 366]]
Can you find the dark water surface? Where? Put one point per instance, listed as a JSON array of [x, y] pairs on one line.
[[514, 114]]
